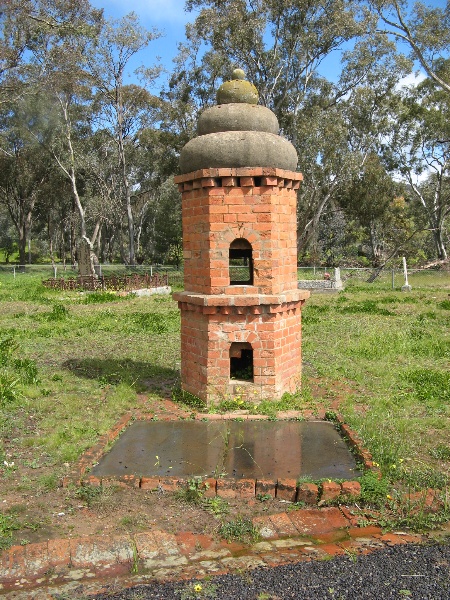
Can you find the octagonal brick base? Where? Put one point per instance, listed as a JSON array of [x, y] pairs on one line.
[[210, 324]]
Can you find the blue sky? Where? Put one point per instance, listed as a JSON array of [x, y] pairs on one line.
[[169, 17]]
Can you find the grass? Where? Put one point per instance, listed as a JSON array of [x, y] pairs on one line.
[[74, 368], [70, 367], [392, 349]]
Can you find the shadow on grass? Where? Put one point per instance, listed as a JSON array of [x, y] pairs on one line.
[[141, 376]]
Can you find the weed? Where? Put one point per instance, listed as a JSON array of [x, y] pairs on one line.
[[233, 404], [9, 391], [263, 497], [156, 322], [191, 591], [131, 522], [430, 387], [241, 530], [135, 565], [366, 306], [88, 493], [59, 312], [48, 483], [193, 491], [183, 397], [7, 348], [445, 304], [295, 506], [440, 452], [27, 369], [216, 506], [8, 524], [424, 477], [101, 297], [374, 489]]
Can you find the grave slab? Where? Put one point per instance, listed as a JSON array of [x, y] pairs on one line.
[[240, 450]]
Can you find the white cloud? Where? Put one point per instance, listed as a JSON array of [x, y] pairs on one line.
[[411, 80]]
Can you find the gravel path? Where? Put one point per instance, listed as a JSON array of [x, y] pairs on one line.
[[408, 571]]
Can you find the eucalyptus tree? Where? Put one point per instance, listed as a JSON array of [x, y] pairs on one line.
[[425, 30], [28, 27], [281, 45], [369, 198], [8, 244], [122, 110], [418, 150], [24, 168], [54, 37]]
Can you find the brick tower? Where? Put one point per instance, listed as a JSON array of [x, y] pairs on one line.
[[241, 309]]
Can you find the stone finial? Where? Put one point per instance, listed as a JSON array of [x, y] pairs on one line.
[[238, 90], [237, 132]]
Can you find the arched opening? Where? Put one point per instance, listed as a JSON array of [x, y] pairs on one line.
[[241, 361], [241, 262]]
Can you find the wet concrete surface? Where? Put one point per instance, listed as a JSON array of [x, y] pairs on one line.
[[247, 449]]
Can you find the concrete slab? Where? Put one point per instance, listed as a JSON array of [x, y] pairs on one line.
[[242, 450]]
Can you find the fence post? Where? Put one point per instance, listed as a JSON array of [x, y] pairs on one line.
[[14, 271]]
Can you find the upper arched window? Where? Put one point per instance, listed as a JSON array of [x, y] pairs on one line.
[[241, 262]]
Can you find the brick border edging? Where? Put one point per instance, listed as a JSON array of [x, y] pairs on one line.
[[283, 489], [356, 444], [173, 556]]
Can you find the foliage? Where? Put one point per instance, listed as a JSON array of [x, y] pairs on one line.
[[59, 312], [88, 493], [8, 524], [14, 372], [193, 490], [216, 505], [374, 488], [239, 529], [100, 298], [191, 591], [83, 131]]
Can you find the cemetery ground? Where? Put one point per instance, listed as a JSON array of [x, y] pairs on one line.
[[72, 364]]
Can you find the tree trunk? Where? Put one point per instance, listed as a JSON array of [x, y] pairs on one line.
[[439, 243]]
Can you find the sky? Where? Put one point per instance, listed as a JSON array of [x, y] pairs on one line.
[[167, 16], [170, 18]]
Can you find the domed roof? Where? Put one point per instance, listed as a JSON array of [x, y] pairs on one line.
[[237, 90], [238, 132]]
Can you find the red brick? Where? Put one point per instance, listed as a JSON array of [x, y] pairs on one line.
[[149, 483], [209, 486], [330, 491], [170, 484], [283, 525], [58, 552], [351, 488], [266, 486], [226, 488], [245, 488], [287, 489], [317, 520], [308, 493]]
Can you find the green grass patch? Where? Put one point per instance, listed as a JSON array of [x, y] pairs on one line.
[[70, 367], [8, 524]]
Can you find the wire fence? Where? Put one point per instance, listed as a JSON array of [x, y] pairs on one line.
[[388, 278]]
